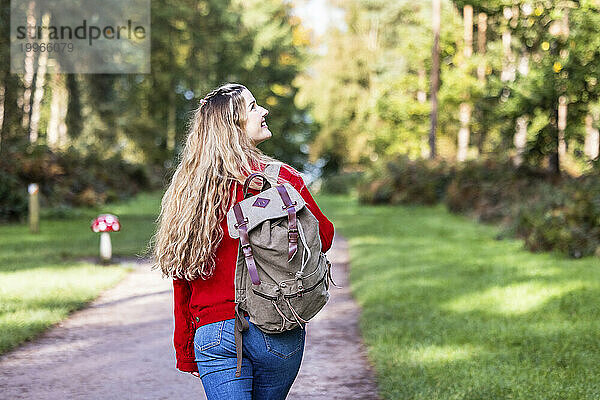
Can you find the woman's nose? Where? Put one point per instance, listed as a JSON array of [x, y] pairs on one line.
[[265, 112]]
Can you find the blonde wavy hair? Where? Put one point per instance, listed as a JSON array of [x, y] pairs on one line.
[[217, 153]]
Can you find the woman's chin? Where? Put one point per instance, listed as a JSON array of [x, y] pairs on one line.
[[266, 135]]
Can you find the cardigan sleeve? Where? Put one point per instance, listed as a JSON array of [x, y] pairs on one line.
[[326, 229], [183, 336]]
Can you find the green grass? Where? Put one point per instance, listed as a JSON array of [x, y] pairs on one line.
[[42, 277], [451, 313]]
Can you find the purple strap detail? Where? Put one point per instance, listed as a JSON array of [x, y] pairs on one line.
[[292, 224], [245, 242]]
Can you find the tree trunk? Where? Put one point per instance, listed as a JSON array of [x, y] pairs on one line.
[[2, 90], [553, 158], [508, 68], [592, 138], [562, 107], [29, 72], [39, 86], [171, 121], [559, 122], [553, 163], [422, 98], [464, 132], [481, 44], [468, 31], [57, 127], [481, 68], [520, 140], [373, 34], [508, 63], [73, 120], [465, 108], [435, 75], [562, 125]]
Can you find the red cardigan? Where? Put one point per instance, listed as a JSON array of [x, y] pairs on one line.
[[200, 302]]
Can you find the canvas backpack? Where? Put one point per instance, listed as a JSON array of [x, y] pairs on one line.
[[281, 277]]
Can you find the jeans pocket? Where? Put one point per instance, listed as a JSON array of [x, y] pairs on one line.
[[285, 344], [208, 335]]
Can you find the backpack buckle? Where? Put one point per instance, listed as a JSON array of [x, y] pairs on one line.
[[247, 250], [238, 224], [293, 235], [292, 204]]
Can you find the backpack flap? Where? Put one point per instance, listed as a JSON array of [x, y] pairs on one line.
[[263, 206]]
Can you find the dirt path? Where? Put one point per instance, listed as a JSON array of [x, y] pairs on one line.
[[334, 365], [120, 347]]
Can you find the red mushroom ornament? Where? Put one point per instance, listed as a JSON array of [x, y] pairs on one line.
[[104, 224]]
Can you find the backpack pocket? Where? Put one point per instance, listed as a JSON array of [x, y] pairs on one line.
[[266, 308], [277, 308]]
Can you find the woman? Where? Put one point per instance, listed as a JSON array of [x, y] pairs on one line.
[[192, 246]]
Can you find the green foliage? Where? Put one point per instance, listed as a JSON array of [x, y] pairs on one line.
[[371, 90], [561, 62], [364, 90], [255, 43], [566, 218], [549, 213], [489, 189], [449, 312], [196, 46], [341, 183], [400, 180], [13, 197], [67, 179]]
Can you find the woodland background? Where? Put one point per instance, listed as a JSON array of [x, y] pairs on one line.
[[490, 107]]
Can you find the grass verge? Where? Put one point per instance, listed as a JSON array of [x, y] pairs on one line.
[[42, 277], [448, 312]]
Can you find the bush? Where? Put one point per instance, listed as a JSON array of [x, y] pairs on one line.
[[490, 189], [565, 218], [341, 183], [548, 212], [405, 181], [13, 198], [66, 179]]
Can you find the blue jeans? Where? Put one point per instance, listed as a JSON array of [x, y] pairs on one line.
[[269, 366]]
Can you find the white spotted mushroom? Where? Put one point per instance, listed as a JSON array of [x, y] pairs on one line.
[[104, 224]]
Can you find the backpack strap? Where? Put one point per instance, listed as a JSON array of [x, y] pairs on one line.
[[245, 243], [241, 325], [269, 176], [292, 221], [271, 172], [266, 184]]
